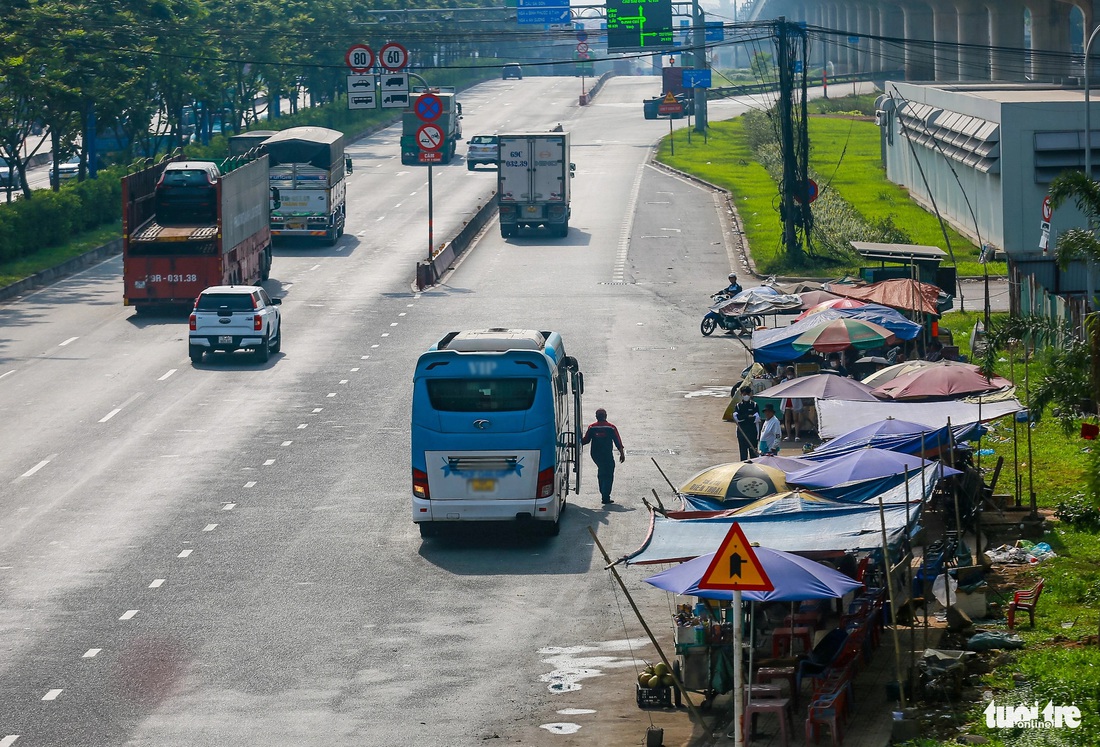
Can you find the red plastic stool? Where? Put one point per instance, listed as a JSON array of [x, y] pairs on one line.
[[787, 636], [781, 707]]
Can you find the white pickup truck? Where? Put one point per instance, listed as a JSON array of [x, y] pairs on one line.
[[235, 317]]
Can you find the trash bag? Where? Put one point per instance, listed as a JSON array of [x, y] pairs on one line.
[[988, 640], [940, 589]]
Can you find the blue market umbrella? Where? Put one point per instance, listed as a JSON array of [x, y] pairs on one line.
[[794, 577], [861, 464]]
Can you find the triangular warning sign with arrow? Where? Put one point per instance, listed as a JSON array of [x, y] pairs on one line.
[[735, 566], [670, 99]]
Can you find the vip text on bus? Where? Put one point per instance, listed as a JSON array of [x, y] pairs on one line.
[[495, 430]]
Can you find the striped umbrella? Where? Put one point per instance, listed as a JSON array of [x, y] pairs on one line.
[[841, 334]]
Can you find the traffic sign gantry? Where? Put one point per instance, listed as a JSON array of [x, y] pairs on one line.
[[360, 58], [393, 57], [735, 566], [428, 107], [429, 137]]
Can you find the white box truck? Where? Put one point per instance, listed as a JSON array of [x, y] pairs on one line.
[[533, 182]]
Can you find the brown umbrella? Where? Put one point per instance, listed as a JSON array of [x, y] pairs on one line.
[[815, 297], [940, 380], [899, 293]]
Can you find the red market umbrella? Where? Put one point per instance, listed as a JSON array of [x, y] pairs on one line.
[[841, 334], [835, 303], [940, 380]]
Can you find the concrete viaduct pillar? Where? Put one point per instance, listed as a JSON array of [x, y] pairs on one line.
[[945, 20], [1006, 25], [919, 26], [891, 25], [974, 40], [1049, 35]]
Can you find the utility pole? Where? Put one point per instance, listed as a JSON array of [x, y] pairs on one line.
[[699, 52], [788, 210]]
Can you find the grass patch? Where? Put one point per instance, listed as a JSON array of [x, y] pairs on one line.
[[19, 269], [846, 158]]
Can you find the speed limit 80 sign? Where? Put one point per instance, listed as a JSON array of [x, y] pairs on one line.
[[393, 57], [360, 58]]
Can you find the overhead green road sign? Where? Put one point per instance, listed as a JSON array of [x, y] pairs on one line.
[[639, 24]]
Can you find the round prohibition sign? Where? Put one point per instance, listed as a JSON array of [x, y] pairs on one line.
[[1048, 211], [360, 58], [393, 57], [582, 47], [429, 107], [429, 137]]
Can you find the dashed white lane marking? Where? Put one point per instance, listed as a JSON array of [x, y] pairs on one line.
[[185, 553], [409, 305], [71, 339], [354, 370], [9, 373], [302, 425], [90, 654], [287, 443], [269, 462], [364, 357], [315, 267], [393, 324], [52, 694], [118, 409], [343, 381], [398, 205], [385, 334], [374, 346], [250, 484], [209, 527], [403, 313], [156, 583], [170, 372], [381, 217], [39, 466], [229, 507], [318, 409], [128, 615], [331, 394], [9, 740]]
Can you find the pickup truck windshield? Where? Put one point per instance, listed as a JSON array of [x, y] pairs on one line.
[[215, 301]]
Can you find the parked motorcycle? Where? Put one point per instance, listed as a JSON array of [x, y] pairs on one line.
[[731, 323]]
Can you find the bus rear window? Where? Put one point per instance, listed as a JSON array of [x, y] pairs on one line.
[[481, 395]]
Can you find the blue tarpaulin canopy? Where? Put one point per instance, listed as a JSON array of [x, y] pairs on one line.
[[776, 345], [856, 527], [862, 464], [901, 436]]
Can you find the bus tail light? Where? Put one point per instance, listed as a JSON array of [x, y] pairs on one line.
[[420, 485], [546, 483]]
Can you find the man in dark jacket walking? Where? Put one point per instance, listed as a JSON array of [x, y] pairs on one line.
[[747, 417], [604, 437]]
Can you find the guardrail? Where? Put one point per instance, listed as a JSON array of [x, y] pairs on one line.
[[879, 76]]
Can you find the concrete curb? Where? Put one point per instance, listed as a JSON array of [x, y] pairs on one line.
[[63, 270], [429, 272]]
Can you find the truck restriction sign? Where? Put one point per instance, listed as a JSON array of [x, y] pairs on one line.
[[429, 137], [1048, 211], [428, 107], [393, 57], [582, 47], [360, 58]]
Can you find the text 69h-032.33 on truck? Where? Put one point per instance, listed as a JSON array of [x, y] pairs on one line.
[[309, 174], [533, 182], [187, 225]]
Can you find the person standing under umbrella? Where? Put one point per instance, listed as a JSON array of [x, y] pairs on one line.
[[747, 417], [604, 437]]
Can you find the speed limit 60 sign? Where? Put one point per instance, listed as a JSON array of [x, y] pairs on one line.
[[393, 57], [360, 58]]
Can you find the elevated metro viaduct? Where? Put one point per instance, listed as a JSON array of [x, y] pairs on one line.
[[1040, 41]]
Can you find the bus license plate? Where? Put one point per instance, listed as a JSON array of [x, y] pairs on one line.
[[225, 340], [484, 485]]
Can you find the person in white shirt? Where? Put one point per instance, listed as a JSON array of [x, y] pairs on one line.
[[771, 433]]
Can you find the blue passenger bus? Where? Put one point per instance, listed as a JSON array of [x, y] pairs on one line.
[[496, 418]]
